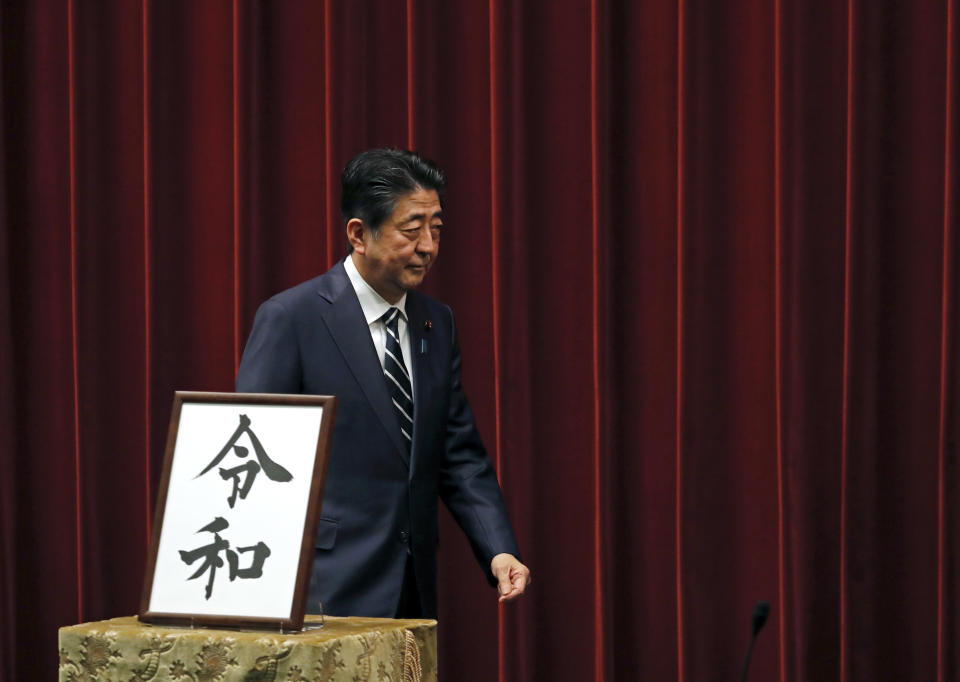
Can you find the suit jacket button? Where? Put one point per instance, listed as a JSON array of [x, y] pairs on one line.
[[404, 537]]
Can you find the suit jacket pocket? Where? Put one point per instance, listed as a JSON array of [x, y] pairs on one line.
[[326, 532]]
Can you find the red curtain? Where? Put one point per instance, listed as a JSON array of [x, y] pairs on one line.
[[704, 257]]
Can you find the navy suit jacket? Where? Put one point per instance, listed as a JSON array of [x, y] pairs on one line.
[[380, 503]]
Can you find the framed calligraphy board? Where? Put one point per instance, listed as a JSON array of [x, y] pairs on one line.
[[236, 517]]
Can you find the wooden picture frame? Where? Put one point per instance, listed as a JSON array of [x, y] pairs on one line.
[[233, 546]]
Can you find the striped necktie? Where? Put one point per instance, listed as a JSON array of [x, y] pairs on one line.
[[395, 372]]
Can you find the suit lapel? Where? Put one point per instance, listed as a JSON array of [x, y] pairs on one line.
[[349, 330], [419, 357]]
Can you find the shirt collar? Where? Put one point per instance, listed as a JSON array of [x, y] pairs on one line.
[[372, 303]]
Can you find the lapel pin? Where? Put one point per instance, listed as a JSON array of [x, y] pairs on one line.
[[428, 325]]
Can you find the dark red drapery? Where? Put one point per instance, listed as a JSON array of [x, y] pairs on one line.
[[704, 259]]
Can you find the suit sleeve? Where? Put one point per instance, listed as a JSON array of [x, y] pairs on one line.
[[271, 358], [468, 482]]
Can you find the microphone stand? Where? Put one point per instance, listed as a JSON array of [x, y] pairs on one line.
[[760, 614]]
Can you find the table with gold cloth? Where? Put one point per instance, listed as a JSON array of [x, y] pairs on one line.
[[126, 650]]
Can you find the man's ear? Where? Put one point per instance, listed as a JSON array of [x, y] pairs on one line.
[[356, 231]]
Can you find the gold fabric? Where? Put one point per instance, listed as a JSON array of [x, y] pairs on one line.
[[348, 649]]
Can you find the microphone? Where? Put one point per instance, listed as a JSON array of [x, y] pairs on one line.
[[760, 614]]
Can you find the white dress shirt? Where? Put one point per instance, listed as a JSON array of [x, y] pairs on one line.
[[374, 306]]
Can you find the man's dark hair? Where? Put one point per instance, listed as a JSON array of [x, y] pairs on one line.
[[374, 180]]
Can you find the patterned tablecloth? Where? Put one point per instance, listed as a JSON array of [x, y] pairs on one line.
[[125, 650]]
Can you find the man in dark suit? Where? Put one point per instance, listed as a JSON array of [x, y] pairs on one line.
[[404, 435]]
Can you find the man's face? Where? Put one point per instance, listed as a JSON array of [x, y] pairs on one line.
[[398, 258]]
